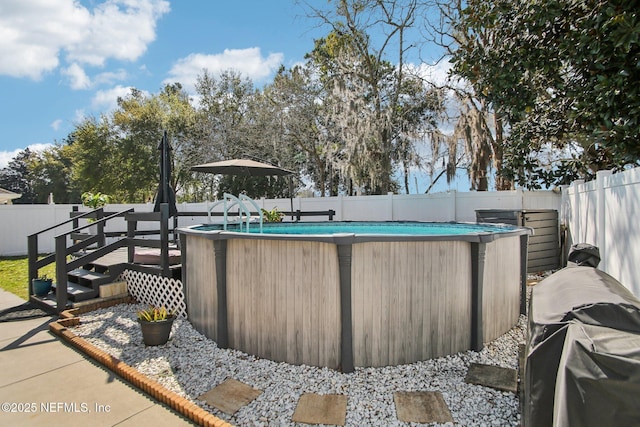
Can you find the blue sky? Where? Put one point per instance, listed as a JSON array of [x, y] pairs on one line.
[[62, 60]]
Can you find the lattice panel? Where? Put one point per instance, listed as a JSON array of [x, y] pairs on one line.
[[156, 290]]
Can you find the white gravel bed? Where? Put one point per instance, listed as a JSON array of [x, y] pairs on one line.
[[190, 365]]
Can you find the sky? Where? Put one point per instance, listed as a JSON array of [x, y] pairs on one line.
[[62, 60]]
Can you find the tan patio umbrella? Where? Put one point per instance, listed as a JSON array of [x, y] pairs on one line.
[[244, 167]]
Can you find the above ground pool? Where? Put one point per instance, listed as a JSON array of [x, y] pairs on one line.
[[354, 294], [364, 228]]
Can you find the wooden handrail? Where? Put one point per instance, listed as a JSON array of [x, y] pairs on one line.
[[65, 222], [97, 222]]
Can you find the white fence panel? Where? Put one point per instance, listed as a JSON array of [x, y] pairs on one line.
[[468, 203], [439, 207], [19, 221], [601, 213]]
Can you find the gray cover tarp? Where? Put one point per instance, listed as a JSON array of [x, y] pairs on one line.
[[584, 332]]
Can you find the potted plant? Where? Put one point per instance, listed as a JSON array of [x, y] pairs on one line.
[[94, 201], [41, 286], [274, 215], [156, 323]]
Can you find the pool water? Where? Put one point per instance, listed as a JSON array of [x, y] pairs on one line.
[[366, 228]]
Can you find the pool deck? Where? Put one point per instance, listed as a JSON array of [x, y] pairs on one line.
[[63, 386]]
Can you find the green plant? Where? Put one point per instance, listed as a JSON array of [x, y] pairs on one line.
[[155, 314], [14, 275], [95, 200], [274, 215], [44, 278]]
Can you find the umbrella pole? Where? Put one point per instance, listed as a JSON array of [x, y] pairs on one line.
[[291, 195]]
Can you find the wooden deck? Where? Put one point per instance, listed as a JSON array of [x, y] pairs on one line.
[[119, 256]]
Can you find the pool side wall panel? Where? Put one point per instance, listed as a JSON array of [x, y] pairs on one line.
[[284, 300], [201, 286], [411, 301], [501, 287]]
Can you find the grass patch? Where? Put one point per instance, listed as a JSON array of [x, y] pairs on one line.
[[14, 275]]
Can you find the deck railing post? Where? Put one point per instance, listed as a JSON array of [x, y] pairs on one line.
[[75, 221], [61, 272], [131, 234], [32, 250], [101, 238]]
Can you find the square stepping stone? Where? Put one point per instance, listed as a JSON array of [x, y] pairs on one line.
[[504, 379], [421, 407], [321, 409], [230, 396]]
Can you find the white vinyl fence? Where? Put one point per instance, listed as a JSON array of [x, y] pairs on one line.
[[18, 221], [601, 212]]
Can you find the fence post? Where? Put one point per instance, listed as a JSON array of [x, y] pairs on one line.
[[454, 201], [578, 189], [601, 234]]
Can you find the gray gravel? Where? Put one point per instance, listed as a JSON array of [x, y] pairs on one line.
[[190, 365]]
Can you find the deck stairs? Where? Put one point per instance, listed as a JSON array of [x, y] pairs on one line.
[[87, 263], [83, 284]]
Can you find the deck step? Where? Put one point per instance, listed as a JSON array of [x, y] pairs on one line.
[[77, 292], [87, 277]]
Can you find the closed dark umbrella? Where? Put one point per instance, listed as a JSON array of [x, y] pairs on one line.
[[165, 193]]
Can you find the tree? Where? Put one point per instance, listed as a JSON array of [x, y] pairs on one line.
[[237, 121], [564, 74], [140, 120], [18, 178], [479, 130], [118, 154], [52, 175], [92, 147], [377, 107], [295, 99]]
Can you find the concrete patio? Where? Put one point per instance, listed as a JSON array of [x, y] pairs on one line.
[[44, 382]]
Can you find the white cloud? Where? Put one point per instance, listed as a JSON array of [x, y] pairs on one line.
[[55, 125], [35, 33], [7, 156], [248, 62], [119, 29], [110, 77], [107, 100], [77, 77], [438, 73]]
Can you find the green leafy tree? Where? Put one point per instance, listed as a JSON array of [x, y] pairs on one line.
[[18, 177], [52, 175], [564, 75], [118, 153], [237, 121], [305, 125]]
